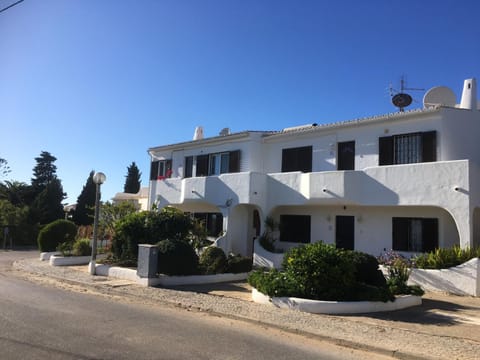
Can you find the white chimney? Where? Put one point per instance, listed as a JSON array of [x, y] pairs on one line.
[[198, 135], [469, 95]]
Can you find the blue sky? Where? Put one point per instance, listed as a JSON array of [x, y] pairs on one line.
[[96, 83]]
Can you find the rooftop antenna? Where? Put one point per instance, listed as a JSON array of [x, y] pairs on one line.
[[400, 98]]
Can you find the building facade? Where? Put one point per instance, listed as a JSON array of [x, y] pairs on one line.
[[408, 181]]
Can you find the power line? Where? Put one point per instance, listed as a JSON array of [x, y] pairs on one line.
[[12, 5]]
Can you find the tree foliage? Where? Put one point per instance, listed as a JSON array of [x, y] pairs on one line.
[[4, 168], [110, 214], [44, 171], [47, 190], [85, 208], [132, 181], [17, 193], [48, 204]]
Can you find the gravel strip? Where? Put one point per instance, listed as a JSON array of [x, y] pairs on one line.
[[390, 340]]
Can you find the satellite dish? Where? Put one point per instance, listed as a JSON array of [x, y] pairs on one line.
[[439, 95], [401, 100]]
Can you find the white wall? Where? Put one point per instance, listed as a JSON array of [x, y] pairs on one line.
[[373, 225], [366, 135]]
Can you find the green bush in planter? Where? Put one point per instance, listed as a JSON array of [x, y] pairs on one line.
[[55, 233], [177, 257], [213, 261], [81, 247], [322, 272], [149, 227], [238, 264], [366, 268]]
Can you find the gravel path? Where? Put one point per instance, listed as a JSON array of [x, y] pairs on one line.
[[387, 338]]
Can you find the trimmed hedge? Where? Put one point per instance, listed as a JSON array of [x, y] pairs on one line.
[[149, 227], [213, 261], [238, 264], [322, 272], [176, 257], [55, 233]]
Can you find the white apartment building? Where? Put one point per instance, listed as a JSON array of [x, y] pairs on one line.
[[408, 181]]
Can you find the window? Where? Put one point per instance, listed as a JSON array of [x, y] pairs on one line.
[[346, 155], [218, 164], [213, 164], [213, 222], [408, 148], [295, 228], [414, 234], [160, 169], [297, 159], [188, 172]]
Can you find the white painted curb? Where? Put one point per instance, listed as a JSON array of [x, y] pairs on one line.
[[44, 256], [165, 280], [336, 307], [59, 260]]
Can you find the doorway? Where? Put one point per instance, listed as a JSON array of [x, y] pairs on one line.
[[345, 232]]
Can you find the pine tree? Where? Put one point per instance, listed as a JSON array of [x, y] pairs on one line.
[[132, 181], [46, 191], [44, 172], [48, 204], [85, 209]]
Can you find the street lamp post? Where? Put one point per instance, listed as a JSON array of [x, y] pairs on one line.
[[99, 178]]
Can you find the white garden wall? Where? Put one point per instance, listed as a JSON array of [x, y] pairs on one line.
[[460, 280]]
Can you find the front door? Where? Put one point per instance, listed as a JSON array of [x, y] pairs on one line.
[[345, 232]]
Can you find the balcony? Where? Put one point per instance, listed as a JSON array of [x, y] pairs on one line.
[[239, 188], [412, 184]]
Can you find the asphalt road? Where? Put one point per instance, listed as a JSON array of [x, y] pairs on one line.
[[45, 322]]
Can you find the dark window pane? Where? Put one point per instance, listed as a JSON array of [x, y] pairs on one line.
[[429, 146], [202, 165], [430, 234], [234, 164], [154, 170], [188, 172], [346, 155], [385, 150], [414, 234], [400, 231], [295, 228], [297, 159], [407, 149]]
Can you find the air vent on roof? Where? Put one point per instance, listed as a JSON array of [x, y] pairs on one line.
[[300, 127]]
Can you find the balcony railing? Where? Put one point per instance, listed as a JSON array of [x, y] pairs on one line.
[[384, 185]]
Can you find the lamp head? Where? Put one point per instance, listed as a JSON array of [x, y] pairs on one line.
[[99, 178]]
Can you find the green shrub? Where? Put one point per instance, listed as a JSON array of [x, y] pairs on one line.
[[213, 261], [445, 258], [276, 283], [324, 272], [176, 257], [81, 247], [65, 248], [149, 227], [55, 233], [238, 264], [366, 268]]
